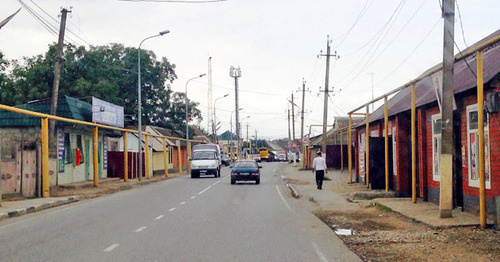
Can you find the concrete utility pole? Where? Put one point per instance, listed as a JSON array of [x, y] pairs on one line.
[[57, 75], [235, 73], [209, 97], [327, 77], [289, 132], [302, 110], [447, 147], [293, 120]]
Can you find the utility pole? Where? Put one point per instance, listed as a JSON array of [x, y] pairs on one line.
[[256, 141], [289, 132], [293, 120], [209, 112], [325, 107], [447, 147], [235, 73], [302, 109], [57, 76]]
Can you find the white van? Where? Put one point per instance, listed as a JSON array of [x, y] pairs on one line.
[[206, 158]]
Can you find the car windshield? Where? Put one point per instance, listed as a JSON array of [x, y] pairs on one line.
[[245, 164], [198, 155]]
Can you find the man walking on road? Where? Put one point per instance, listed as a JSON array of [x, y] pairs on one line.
[[319, 167]]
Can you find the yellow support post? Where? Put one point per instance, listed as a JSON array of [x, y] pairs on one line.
[[480, 133], [349, 150], [125, 157], [45, 158], [96, 156], [413, 147], [367, 147], [341, 153], [146, 156], [179, 156], [188, 156], [165, 156], [386, 136]]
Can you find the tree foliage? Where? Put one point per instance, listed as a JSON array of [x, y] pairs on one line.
[[107, 72]]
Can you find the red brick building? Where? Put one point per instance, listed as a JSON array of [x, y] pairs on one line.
[[428, 130]]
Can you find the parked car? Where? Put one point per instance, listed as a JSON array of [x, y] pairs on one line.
[[246, 170], [204, 162], [256, 157], [226, 160]]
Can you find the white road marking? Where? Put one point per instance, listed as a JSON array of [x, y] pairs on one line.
[[282, 198], [320, 254], [172, 209], [226, 177], [216, 183], [193, 197], [159, 217], [204, 190], [184, 202], [111, 247], [140, 229]]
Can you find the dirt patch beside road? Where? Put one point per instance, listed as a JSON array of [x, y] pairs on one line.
[[382, 235], [104, 188]]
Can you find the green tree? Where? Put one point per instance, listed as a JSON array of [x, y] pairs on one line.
[[6, 87]]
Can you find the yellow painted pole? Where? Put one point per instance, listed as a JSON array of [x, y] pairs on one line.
[[480, 133], [349, 150], [165, 156], [341, 153], [189, 156], [413, 147], [367, 147], [146, 156], [125, 157], [179, 157], [45, 158], [386, 136], [96, 156]]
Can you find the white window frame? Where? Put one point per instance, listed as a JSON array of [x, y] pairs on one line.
[[436, 155], [475, 182], [361, 154]]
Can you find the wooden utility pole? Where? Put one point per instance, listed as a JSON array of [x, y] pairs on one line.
[[325, 106], [57, 74], [446, 172]]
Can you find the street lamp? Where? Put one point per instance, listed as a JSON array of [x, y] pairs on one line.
[[187, 113], [215, 119], [139, 102]]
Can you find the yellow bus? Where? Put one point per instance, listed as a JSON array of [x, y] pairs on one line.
[[264, 153]]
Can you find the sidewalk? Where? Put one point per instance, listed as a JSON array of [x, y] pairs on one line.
[[65, 194], [337, 194]]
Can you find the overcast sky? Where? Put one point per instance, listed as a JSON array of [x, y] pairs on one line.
[[275, 42]]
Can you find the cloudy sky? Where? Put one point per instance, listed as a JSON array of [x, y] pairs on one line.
[[275, 42]]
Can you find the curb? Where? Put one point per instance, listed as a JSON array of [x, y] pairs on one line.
[[36, 208], [294, 191]]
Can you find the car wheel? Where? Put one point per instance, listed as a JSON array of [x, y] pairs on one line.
[[257, 181], [233, 181], [193, 175]]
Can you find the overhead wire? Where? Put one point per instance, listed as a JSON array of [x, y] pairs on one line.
[[358, 18], [461, 24], [411, 53]]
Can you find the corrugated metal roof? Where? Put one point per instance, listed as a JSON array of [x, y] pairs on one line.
[[463, 78], [67, 107]]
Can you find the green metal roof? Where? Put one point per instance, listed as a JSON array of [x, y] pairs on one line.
[[67, 107]]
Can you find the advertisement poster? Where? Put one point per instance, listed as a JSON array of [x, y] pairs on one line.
[[60, 150], [105, 152]]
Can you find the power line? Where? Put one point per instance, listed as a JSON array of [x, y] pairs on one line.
[[461, 24], [358, 18], [411, 53], [176, 1]]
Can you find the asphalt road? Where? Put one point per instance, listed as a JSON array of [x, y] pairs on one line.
[[181, 219]]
